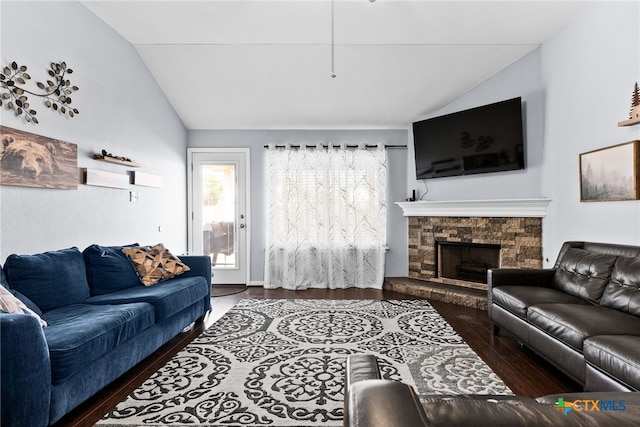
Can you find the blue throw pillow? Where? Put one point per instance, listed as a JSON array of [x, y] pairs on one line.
[[109, 269], [50, 279]]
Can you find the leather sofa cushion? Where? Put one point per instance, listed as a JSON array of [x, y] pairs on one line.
[[78, 334], [168, 297], [583, 274], [623, 290], [573, 323], [517, 299], [50, 279], [617, 355]]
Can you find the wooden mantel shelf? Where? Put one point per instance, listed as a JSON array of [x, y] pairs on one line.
[[477, 208]]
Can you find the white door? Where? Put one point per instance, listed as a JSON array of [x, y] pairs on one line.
[[219, 202]]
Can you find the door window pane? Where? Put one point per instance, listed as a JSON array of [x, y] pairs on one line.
[[219, 213]]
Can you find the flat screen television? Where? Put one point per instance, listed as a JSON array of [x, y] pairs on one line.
[[479, 140]]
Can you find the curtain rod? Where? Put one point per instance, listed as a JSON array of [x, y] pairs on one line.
[[337, 146]]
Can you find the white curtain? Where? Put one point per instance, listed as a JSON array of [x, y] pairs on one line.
[[326, 210]]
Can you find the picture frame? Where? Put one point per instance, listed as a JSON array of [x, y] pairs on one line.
[[611, 173], [31, 160]]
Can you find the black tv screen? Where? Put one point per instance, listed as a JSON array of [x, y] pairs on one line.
[[479, 140]]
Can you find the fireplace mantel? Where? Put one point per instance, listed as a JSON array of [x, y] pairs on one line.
[[477, 208]]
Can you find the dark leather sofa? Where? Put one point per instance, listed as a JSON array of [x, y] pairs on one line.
[[374, 402], [582, 315]]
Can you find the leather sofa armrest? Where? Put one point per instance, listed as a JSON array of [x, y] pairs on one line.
[[520, 276], [361, 367], [382, 403]]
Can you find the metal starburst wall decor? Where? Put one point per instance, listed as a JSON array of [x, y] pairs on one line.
[[56, 92]]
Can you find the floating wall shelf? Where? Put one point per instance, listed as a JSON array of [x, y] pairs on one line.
[[629, 122], [116, 161], [104, 179]]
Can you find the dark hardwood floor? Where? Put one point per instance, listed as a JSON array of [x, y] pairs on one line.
[[523, 371]]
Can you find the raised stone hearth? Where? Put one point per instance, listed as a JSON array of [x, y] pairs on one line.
[[464, 296]]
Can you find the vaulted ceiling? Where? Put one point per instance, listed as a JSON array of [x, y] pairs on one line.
[[268, 64]]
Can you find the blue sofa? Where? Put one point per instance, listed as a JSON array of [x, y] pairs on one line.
[[101, 322]]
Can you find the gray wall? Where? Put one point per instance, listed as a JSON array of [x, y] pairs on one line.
[[588, 70], [522, 79], [575, 88], [255, 140], [121, 110]]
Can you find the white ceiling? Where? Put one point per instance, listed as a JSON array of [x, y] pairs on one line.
[[267, 64]]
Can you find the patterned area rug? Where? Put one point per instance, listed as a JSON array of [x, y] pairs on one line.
[[281, 363]]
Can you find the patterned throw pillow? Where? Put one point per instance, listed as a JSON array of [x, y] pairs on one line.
[[10, 304], [154, 263]]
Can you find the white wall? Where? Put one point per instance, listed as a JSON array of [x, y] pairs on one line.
[[121, 110], [520, 79], [588, 72], [397, 233]]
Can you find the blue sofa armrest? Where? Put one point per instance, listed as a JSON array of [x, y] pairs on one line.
[[200, 265], [25, 372]]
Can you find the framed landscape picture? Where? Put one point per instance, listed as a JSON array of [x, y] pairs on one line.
[[611, 173]]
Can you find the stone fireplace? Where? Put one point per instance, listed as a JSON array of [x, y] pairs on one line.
[[519, 241], [511, 229]]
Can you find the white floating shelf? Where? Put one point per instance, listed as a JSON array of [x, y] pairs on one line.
[[146, 179], [104, 179], [477, 208]]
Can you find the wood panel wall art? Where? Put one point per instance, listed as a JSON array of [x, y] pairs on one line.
[[31, 160]]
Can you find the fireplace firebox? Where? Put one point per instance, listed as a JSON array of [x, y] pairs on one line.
[[466, 261]]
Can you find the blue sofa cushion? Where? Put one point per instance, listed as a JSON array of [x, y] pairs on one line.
[[109, 269], [26, 301], [51, 279], [168, 297], [81, 333]]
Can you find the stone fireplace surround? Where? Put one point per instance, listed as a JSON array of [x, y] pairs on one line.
[[520, 241], [515, 225]]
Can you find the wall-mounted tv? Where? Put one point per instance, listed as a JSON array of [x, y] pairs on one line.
[[479, 140]]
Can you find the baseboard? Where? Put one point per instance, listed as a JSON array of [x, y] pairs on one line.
[[256, 283]]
